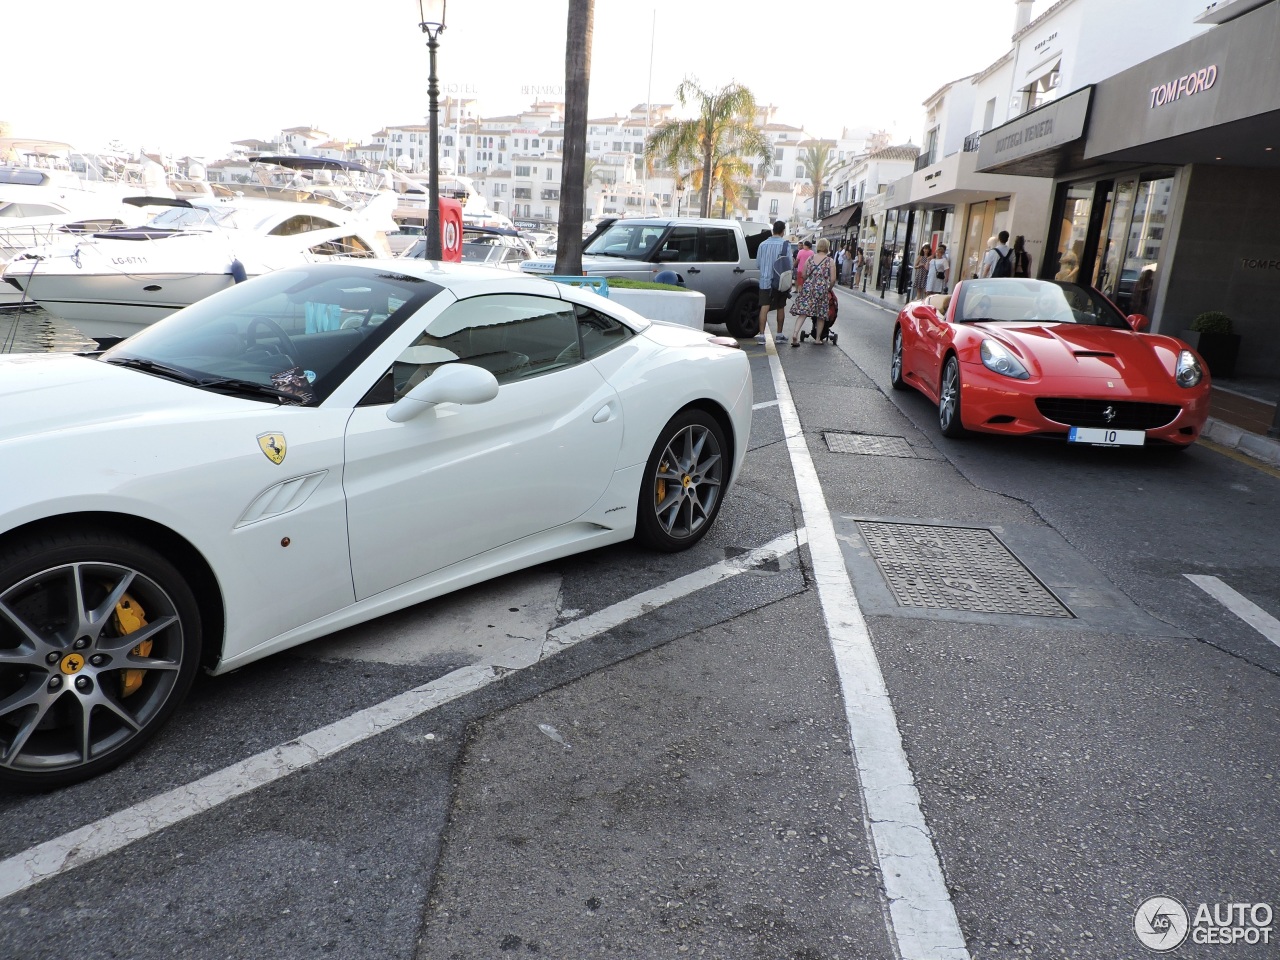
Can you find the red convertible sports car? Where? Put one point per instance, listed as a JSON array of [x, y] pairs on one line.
[[1044, 358]]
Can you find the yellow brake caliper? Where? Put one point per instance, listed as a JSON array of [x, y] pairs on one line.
[[130, 617], [662, 484]]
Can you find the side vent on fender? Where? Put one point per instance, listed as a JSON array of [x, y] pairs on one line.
[[283, 497]]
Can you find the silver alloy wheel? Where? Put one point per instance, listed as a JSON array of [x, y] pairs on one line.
[[950, 398], [895, 367], [687, 481], [90, 652]]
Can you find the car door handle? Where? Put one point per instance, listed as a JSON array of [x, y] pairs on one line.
[[694, 270], [604, 414], [739, 270]]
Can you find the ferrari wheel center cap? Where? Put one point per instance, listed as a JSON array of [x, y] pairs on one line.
[[687, 481], [71, 663]]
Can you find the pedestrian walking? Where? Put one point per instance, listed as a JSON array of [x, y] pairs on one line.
[[921, 274], [1021, 259], [939, 278], [841, 257], [814, 299], [802, 258], [774, 262], [998, 260]]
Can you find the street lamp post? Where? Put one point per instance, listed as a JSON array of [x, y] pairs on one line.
[[431, 20], [679, 196]]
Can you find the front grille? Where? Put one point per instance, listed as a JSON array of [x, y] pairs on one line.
[[1124, 415]]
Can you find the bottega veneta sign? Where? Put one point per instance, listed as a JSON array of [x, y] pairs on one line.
[[1185, 86]]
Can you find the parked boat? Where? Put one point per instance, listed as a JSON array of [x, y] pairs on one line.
[[114, 282], [49, 191]]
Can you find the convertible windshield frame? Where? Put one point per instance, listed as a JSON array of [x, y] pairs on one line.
[[1021, 300]]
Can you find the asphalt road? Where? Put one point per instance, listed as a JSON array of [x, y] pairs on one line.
[[683, 781]]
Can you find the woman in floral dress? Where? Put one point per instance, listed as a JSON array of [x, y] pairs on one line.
[[814, 298]]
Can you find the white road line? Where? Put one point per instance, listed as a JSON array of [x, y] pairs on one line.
[[1242, 607], [922, 919], [764, 403], [118, 830]]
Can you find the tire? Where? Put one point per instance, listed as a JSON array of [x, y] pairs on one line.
[[895, 362], [743, 319], [684, 482], [949, 400], [75, 613]]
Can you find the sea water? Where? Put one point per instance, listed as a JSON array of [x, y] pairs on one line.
[[32, 330]]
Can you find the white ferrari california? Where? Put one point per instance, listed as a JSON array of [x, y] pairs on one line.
[[314, 448]]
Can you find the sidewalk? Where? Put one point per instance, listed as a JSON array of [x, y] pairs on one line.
[[1241, 409]]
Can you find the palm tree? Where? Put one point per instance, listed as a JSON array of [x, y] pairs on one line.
[[818, 165], [577, 83], [724, 128]]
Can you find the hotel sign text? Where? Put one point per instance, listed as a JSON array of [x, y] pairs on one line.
[[1185, 86]]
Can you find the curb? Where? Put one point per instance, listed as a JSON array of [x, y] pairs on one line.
[[1235, 438]]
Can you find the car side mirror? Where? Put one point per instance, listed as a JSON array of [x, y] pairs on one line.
[[668, 256], [451, 383], [1138, 321], [922, 311]]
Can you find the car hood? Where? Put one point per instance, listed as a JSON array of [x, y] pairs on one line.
[[46, 394], [1081, 350]]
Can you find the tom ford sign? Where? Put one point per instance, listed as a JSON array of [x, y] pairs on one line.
[[1185, 86]]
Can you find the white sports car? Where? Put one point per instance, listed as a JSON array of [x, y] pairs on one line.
[[314, 448]]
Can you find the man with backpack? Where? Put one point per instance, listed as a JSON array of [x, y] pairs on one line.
[[774, 260], [998, 261]]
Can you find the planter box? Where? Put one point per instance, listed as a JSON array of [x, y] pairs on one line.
[[1219, 350], [685, 307]]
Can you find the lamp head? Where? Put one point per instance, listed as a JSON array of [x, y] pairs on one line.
[[431, 17]]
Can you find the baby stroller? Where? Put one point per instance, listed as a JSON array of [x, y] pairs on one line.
[[833, 307]]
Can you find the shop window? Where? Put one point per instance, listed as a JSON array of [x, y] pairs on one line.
[[1072, 227], [1136, 285]]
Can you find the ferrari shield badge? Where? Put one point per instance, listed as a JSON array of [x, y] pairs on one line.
[[273, 446]]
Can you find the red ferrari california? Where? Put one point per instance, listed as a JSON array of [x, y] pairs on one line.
[[1045, 358]]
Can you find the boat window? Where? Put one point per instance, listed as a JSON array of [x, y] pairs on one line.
[[301, 223], [350, 246]]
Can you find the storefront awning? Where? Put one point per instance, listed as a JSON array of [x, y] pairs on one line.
[[1041, 142], [842, 217]]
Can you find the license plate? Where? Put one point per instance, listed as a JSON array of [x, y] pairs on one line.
[[1107, 438]]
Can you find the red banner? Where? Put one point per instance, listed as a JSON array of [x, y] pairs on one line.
[[450, 229]]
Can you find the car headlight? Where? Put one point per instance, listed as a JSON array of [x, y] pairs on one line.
[[996, 356], [1189, 372]]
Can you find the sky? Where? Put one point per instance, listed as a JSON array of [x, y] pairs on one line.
[[182, 78]]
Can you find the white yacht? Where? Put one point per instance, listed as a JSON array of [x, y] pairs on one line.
[[112, 283], [48, 191]]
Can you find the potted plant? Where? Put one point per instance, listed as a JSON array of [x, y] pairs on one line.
[[1211, 337]]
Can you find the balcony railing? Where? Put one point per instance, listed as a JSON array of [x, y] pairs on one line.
[[925, 160], [971, 141]]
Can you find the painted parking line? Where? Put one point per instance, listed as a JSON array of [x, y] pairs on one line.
[[88, 843], [922, 919], [764, 403], [1242, 607]]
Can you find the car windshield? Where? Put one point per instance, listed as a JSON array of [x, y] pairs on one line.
[[1007, 300], [634, 241], [482, 252], [295, 333]]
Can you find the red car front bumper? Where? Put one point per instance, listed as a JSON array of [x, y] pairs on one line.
[[992, 403]]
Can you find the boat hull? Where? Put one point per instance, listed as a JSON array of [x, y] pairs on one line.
[[100, 305]]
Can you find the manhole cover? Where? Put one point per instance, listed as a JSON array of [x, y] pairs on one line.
[[956, 568], [868, 445]]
